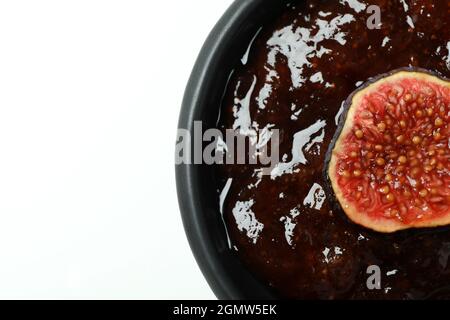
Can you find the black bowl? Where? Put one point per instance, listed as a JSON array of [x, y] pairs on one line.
[[196, 184]]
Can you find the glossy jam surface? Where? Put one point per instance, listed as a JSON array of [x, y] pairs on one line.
[[296, 75], [392, 161]]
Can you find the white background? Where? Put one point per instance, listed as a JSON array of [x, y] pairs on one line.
[[90, 93]]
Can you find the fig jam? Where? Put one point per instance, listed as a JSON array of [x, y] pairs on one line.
[[296, 75]]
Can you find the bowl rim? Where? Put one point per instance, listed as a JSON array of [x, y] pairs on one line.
[[215, 272]]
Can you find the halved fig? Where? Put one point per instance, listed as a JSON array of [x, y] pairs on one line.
[[389, 163]]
